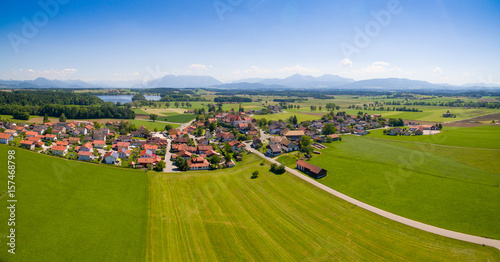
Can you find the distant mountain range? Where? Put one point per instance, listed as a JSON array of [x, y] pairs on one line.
[[296, 81]]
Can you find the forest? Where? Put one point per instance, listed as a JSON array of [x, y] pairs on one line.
[[21, 104]]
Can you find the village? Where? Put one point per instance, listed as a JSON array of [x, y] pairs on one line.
[[214, 141]]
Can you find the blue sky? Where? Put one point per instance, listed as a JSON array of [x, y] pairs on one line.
[[132, 41]]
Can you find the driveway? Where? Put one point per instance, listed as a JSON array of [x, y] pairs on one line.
[[432, 229]]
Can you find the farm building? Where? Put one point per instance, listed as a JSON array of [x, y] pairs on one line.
[[310, 169]]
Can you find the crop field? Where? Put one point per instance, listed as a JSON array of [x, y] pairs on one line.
[[443, 186], [74, 211], [227, 216], [487, 136]]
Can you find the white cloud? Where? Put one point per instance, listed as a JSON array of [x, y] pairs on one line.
[[200, 67], [437, 71], [345, 62]]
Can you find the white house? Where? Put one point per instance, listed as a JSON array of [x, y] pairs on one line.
[[85, 156], [59, 150], [111, 157]]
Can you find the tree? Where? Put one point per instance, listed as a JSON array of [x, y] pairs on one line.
[[176, 104], [295, 121], [49, 130], [214, 160], [153, 117], [46, 118], [330, 106], [167, 104], [62, 118], [199, 131], [255, 174], [160, 166], [21, 115], [168, 127], [329, 129], [309, 150], [181, 163], [305, 141]]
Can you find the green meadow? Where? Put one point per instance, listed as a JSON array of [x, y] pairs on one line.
[[151, 125], [228, 216], [474, 137], [74, 211], [444, 186]]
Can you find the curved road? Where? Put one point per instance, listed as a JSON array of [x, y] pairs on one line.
[[432, 229]]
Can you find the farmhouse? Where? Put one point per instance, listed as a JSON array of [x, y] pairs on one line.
[[310, 169], [294, 135], [274, 150]]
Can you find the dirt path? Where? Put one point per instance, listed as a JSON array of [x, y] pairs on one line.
[[432, 229]]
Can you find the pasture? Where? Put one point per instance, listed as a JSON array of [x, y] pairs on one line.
[[226, 215], [474, 137], [446, 187], [74, 211]]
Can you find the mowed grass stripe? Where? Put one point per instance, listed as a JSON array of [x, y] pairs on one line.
[[282, 218]]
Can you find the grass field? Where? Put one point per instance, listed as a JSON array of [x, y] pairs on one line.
[[74, 211], [286, 116], [227, 216], [442, 186], [150, 124], [179, 118], [474, 137]]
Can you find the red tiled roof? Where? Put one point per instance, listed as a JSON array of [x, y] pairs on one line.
[[58, 148], [27, 142], [5, 136], [84, 153], [99, 142], [311, 167]]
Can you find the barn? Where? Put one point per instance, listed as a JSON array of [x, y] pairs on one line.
[[310, 169]]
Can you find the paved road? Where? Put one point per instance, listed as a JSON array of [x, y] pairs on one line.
[[432, 229]]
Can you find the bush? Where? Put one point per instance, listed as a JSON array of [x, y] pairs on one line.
[[277, 169]]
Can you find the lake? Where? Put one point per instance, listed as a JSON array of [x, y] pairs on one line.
[[125, 98]]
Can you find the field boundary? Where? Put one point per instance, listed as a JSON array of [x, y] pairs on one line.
[[412, 223]]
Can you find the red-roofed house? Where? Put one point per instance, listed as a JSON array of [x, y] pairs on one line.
[[5, 138], [99, 143], [198, 163], [28, 144], [122, 145], [85, 156], [124, 153], [150, 147], [111, 157], [59, 150]]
